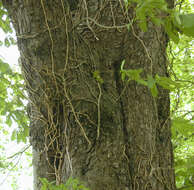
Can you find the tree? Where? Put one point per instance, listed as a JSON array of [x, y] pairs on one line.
[[95, 110]]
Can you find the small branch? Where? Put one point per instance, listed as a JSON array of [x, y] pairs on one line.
[[20, 152]]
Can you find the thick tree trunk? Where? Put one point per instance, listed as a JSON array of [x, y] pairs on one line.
[[85, 122]]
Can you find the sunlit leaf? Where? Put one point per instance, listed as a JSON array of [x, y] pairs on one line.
[[171, 31], [167, 83], [4, 67], [183, 126], [185, 24], [14, 135]]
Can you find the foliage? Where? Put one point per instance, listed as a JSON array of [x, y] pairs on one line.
[[12, 101], [158, 13], [4, 20], [13, 119], [182, 104], [151, 9], [12, 98], [97, 76], [71, 184], [150, 82]]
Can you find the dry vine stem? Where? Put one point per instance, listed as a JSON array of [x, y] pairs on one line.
[[52, 135], [78, 123]]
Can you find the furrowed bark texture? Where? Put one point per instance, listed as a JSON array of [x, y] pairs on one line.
[[85, 121]]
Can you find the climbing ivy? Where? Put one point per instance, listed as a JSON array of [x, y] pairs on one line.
[[150, 82], [158, 13], [71, 183]]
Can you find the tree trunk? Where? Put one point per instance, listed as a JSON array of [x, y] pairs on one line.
[[85, 122]]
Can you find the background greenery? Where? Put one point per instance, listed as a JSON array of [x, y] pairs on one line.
[[180, 28]]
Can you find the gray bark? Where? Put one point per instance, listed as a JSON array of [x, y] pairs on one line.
[[111, 135]]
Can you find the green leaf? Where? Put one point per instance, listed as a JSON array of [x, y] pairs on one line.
[[122, 65], [141, 81], [157, 21], [171, 31], [73, 184], [183, 126], [167, 83], [6, 42], [5, 25], [14, 135], [2, 165], [151, 83], [123, 75], [143, 25], [177, 18], [5, 132], [96, 75], [187, 20], [8, 120], [150, 9], [133, 74], [129, 27], [185, 23], [4, 67]]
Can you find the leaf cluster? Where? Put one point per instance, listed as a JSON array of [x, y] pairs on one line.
[[12, 101], [97, 77], [71, 184], [151, 82], [158, 13], [182, 103]]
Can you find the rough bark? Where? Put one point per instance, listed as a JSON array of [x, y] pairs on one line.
[[111, 135]]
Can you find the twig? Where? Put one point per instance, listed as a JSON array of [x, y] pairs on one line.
[[20, 152], [99, 99]]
